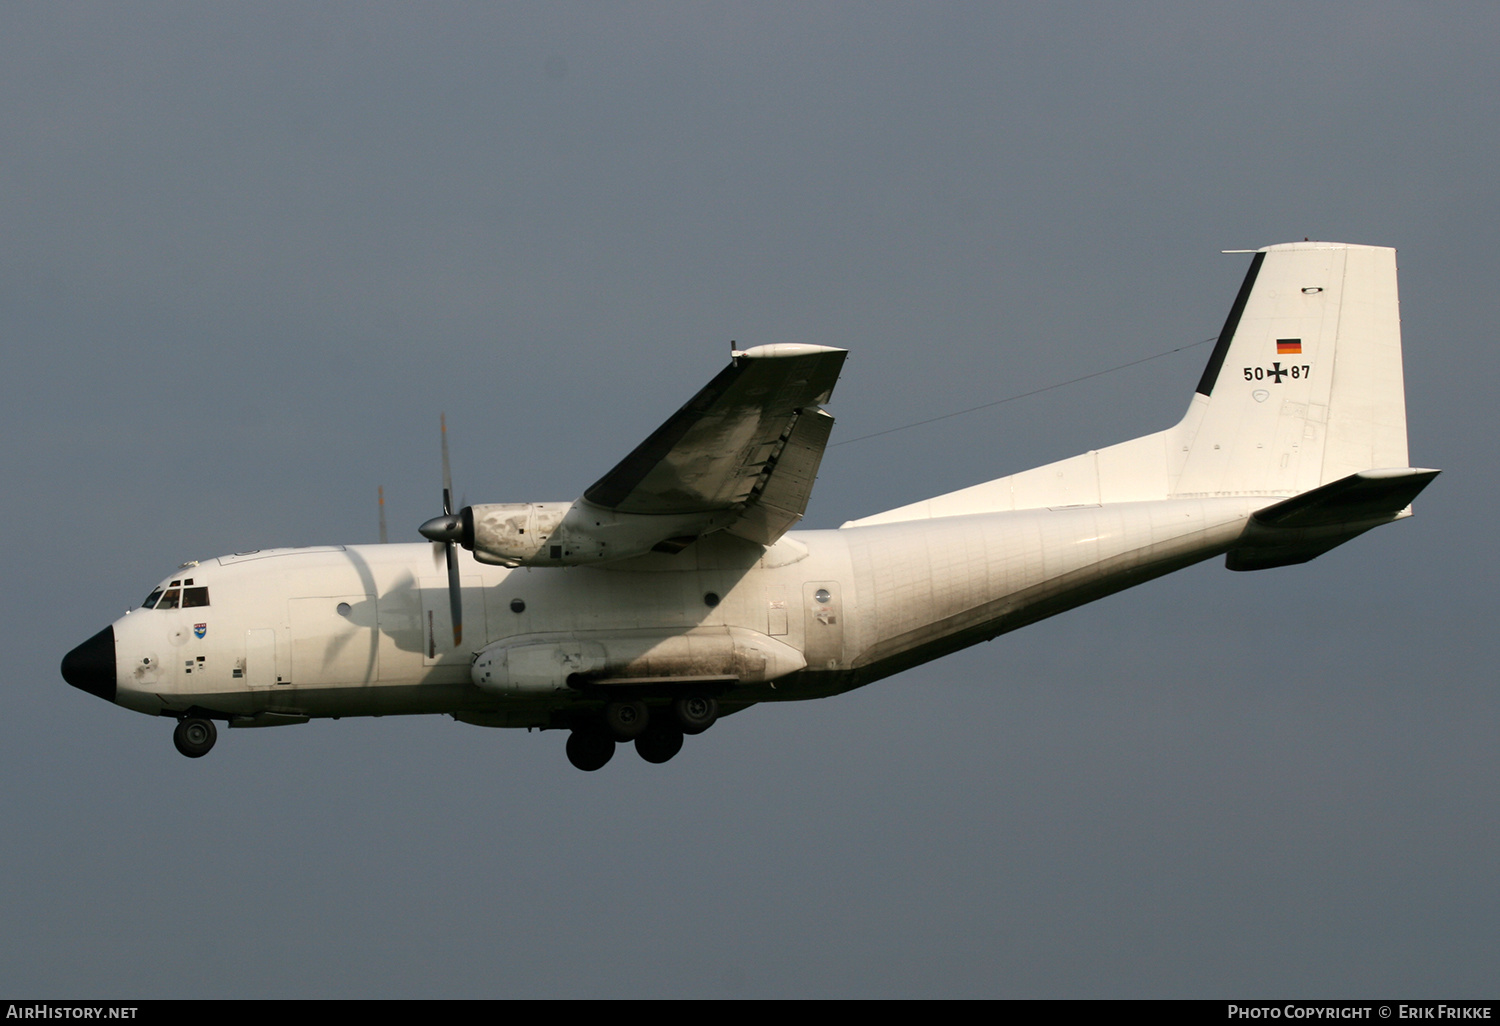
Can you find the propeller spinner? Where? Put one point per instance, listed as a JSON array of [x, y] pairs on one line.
[[446, 530]]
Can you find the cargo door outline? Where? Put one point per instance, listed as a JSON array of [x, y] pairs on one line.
[[259, 665], [823, 625]]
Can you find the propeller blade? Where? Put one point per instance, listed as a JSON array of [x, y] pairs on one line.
[[455, 596], [447, 475], [380, 491], [447, 530]]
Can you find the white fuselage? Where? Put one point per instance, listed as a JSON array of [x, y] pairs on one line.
[[670, 593], [363, 629]]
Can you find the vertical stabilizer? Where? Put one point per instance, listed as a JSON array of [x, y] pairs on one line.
[[1305, 384], [1304, 388]]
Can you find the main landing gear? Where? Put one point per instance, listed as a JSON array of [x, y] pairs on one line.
[[659, 742], [657, 731], [590, 748], [194, 736]]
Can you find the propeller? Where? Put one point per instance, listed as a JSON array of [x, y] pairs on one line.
[[446, 530]]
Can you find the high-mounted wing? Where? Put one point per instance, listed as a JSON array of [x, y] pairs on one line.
[[741, 457], [750, 440]]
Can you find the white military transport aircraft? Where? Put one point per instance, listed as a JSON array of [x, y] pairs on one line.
[[671, 593]]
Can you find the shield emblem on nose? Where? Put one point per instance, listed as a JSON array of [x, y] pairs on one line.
[[200, 629]]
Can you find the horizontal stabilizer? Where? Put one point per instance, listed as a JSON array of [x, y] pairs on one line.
[[1368, 495], [1305, 526]]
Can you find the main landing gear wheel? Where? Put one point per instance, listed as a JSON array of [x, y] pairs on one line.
[[660, 742], [195, 736], [696, 713], [590, 749], [626, 720]]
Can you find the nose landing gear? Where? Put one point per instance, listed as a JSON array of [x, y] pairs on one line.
[[194, 736]]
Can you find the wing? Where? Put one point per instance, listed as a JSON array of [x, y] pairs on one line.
[[749, 441]]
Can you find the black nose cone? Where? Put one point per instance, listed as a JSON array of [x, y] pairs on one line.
[[91, 666]]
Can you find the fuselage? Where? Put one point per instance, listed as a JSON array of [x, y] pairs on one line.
[[279, 636], [671, 593]]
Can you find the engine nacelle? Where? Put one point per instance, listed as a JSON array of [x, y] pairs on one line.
[[539, 664], [511, 533], [574, 533]]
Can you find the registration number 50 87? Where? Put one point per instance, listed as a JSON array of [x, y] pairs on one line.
[[1277, 372]]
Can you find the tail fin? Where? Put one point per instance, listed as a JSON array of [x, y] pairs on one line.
[[1305, 384], [1304, 388]]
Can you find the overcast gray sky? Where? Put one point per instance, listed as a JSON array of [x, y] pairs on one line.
[[250, 252]]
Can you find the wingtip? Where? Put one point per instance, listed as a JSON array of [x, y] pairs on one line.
[[779, 350]]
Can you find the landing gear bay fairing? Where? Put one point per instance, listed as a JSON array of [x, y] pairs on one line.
[[672, 592]]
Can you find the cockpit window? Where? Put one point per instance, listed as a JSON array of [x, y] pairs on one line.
[[177, 594]]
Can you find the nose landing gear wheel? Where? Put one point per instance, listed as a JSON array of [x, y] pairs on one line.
[[590, 749], [195, 736]]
